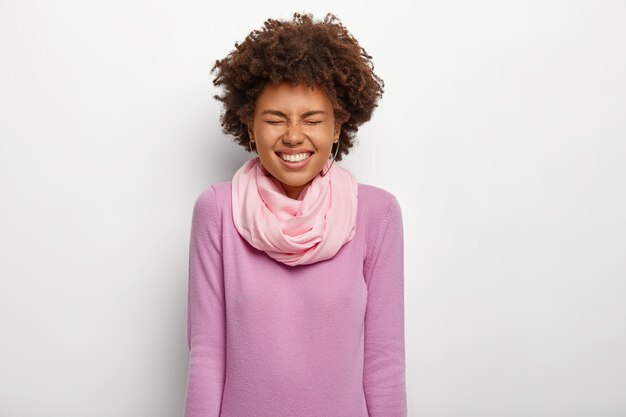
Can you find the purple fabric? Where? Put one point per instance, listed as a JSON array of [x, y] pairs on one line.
[[321, 340]]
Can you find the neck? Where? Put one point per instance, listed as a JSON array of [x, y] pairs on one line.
[[293, 191]]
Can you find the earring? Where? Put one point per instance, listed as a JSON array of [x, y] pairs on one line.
[[257, 158], [331, 164]]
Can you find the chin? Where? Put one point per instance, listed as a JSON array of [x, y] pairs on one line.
[[293, 182]]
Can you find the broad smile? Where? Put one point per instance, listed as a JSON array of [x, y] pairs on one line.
[[296, 161]]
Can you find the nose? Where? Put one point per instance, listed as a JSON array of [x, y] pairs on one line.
[[294, 134]]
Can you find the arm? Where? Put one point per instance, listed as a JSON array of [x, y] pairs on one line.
[[384, 363], [206, 317]]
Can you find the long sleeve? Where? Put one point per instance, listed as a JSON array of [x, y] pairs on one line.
[[206, 317], [384, 357]]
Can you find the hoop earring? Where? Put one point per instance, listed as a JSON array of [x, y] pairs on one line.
[[256, 158], [331, 164]]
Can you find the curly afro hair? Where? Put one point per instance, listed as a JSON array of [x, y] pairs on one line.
[[300, 50]]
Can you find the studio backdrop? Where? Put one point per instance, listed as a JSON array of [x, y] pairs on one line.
[[501, 132]]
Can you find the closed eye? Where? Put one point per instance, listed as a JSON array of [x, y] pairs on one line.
[[313, 122], [274, 122]]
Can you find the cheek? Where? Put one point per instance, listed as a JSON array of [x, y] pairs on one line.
[[256, 129], [263, 137], [327, 137]]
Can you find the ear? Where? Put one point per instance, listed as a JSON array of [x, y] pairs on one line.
[[337, 132], [250, 133]]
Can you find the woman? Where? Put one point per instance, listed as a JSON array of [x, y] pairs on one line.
[[296, 272]]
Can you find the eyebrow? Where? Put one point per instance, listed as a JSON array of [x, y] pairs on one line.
[[303, 115]]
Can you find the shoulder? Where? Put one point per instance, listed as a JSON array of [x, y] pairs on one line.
[[212, 199], [214, 194], [382, 222], [377, 203], [380, 215]]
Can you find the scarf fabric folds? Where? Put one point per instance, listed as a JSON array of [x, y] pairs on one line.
[[300, 231]]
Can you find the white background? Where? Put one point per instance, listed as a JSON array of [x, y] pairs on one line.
[[502, 134]]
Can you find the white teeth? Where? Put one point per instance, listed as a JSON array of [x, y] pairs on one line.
[[295, 158]]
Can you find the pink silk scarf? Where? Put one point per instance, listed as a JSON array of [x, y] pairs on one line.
[[300, 231]]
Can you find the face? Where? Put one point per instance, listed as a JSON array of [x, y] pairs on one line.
[[293, 120]]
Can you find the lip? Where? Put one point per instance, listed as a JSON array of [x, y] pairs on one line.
[[294, 151], [296, 165]]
